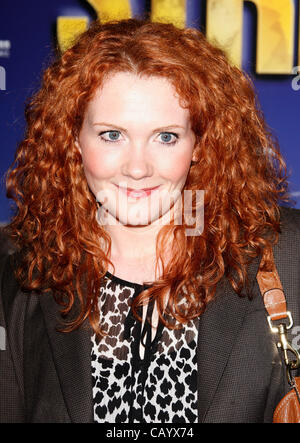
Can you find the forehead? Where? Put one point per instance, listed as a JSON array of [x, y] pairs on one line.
[[127, 95]]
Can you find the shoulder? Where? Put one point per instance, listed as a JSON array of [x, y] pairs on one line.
[[8, 263], [287, 250], [11, 349], [287, 259], [290, 219], [288, 247], [12, 299]]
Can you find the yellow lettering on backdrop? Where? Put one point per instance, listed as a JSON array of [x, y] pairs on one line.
[[224, 27], [68, 28], [169, 11], [111, 9], [275, 39], [275, 32], [299, 43]]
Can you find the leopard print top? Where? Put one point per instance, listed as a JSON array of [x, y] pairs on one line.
[[161, 385]]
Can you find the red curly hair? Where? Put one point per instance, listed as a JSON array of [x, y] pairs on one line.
[[238, 165]]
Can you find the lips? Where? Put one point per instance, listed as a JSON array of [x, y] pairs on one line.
[[137, 193]]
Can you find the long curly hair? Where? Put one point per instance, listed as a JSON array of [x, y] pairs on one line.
[[238, 164]]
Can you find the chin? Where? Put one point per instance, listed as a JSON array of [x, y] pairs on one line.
[[133, 221]]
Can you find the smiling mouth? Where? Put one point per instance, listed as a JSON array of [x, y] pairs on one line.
[[137, 193]]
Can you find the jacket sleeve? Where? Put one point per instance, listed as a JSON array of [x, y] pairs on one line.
[[11, 398]]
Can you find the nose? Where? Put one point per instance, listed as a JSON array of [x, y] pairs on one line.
[[137, 163]]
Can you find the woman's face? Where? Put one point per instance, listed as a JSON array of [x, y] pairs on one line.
[[136, 135]]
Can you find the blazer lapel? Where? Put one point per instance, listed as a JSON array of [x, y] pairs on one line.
[[72, 357], [218, 329]]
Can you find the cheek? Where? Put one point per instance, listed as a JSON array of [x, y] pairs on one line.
[[97, 165], [176, 168]]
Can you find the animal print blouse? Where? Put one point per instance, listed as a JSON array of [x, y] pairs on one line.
[[160, 385]]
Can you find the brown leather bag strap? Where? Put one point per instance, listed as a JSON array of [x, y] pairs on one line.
[[272, 291], [275, 303], [288, 409]]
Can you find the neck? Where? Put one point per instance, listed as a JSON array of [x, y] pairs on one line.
[[134, 242]]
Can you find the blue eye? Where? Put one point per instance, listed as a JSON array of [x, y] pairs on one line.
[[110, 136], [168, 138]]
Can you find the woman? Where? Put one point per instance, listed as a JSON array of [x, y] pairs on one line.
[[113, 313]]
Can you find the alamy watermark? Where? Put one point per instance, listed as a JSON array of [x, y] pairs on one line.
[[295, 331], [5, 47], [2, 79], [296, 80], [2, 339], [140, 207]]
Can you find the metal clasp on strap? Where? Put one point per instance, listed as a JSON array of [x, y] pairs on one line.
[[286, 347], [275, 329]]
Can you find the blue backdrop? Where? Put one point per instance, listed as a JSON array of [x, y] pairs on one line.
[[27, 36]]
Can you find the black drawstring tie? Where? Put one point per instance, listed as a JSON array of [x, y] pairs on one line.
[[141, 335], [128, 325]]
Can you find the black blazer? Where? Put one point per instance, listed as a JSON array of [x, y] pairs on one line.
[[46, 375]]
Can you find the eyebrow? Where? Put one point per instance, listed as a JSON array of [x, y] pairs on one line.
[[162, 128]]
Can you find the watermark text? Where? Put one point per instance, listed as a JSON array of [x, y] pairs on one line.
[[296, 80], [139, 207], [2, 79], [2, 339]]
